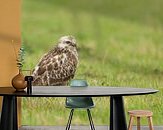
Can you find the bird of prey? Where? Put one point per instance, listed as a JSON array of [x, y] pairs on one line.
[[58, 66]]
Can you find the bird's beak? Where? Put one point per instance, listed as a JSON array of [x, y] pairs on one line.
[[74, 45]]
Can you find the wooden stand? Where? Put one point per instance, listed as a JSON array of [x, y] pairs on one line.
[[138, 114]]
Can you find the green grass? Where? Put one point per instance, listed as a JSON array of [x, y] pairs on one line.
[[120, 44]]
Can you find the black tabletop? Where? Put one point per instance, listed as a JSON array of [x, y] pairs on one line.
[[66, 91]]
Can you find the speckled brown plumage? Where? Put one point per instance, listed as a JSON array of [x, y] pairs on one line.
[[58, 66]]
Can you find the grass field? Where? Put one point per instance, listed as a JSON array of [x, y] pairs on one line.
[[120, 44]]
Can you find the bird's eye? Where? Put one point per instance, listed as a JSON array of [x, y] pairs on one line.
[[68, 42]]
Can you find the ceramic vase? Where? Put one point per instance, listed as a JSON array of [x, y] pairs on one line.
[[18, 82]]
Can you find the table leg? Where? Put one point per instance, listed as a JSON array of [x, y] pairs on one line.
[[9, 113], [117, 114]]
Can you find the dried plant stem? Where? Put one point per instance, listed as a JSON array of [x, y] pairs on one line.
[[14, 49]]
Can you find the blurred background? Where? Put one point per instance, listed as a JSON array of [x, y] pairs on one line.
[[120, 44]]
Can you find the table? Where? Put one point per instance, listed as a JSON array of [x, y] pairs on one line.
[[117, 112]]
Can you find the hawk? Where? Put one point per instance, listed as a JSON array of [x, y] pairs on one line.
[[57, 66]]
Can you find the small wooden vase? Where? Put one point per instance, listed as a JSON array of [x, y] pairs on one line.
[[18, 82]]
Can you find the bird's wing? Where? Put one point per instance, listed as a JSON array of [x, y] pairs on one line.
[[40, 71]]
